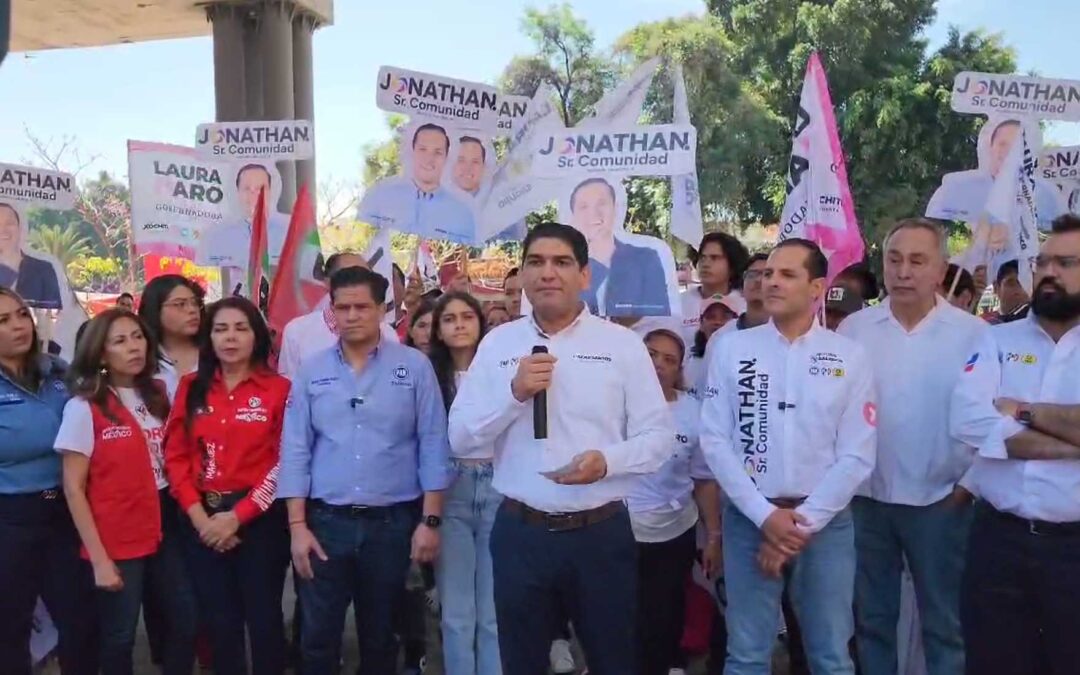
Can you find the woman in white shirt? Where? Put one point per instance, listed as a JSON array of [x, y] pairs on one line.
[[664, 509], [716, 313], [463, 570], [114, 479], [172, 309]]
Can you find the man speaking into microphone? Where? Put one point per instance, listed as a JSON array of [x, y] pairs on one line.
[[562, 539]]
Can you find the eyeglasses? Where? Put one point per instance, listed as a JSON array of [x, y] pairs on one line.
[[1062, 262], [753, 275], [184, 303]]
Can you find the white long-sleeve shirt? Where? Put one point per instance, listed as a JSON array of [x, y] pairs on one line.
[[918, 461], [604, 396], [789, 420], [1019, 360]]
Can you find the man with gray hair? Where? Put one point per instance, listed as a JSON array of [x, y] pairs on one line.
[[913, 507]]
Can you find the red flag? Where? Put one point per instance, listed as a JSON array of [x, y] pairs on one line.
[[295, 291], [258, 255]]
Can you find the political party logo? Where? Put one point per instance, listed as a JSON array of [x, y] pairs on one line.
[[970, 365], [869, 413], [401, 373], [661, 150], [254, 402], [1041, 98], [433, 96], [1025, 359], [285, 139]]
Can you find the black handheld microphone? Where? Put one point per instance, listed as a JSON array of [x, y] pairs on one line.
[[540, 405]]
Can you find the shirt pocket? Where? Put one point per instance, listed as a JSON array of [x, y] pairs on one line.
[[330, 411]]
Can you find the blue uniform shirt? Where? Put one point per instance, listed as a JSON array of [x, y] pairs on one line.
[[28, 425], [373, 438]]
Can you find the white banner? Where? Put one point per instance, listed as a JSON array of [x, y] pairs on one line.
[[433, 97], [278, 140], [686, 223], [631, 150], [37, 187], [1061, 166], [1016, 95], [1012, 202], [512, 109], [622, 105]]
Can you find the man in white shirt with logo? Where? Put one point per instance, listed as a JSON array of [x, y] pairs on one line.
[[1018, 401], [317, 331], [562, 537], [913, 507], [788, 429]]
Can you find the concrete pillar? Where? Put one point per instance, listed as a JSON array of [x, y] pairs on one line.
[[253, 70], [229, 90], [276, 40], [304, 90]]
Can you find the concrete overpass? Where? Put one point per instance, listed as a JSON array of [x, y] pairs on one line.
[[263, 65]]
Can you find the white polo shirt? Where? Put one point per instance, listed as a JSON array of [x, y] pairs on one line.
[[604, 396], [789, 420], [918, 461], [310, 334], [1019, 360]]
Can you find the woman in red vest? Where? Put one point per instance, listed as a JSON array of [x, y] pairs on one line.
[[221, 456], [114, 479]]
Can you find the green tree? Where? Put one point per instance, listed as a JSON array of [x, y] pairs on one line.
[[95, 274], [64, 244]]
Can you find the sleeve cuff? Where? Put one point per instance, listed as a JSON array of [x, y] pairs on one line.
[[759, 510], [294, 489], [994, 445], [187, 496], [246, 510]]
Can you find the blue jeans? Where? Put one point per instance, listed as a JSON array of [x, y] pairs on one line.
[[166, 575], [933, 539], [821, 584], [590, 573], [243, 588], [368, 558], [470, 637]]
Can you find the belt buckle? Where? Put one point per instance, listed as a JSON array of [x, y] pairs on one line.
[[213, 499], [50, 494], [561, 522]]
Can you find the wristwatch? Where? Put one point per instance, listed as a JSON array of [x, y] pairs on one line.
[[432, 521], [1025, 415]]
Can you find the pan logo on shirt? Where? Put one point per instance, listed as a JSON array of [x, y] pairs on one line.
[[59, 386], [401, 377], [826, 364], [753, 418], [1026, 359]]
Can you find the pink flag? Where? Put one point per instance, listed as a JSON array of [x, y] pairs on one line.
[[819, 205]]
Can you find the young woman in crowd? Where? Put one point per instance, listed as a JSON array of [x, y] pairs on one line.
[[664, 511], [420, 327], [715, 314], [172, 310], [466, 583], [497, 315], [39, 548], [114, 479], [221, 457]]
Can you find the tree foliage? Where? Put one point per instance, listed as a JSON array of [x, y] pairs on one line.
[[64, 244]]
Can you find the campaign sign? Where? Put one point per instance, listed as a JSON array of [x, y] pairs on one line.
[[426, 96], [37, 187], [1061, 166], [279, 140], [659, 150], [511, 109], [1016, 95]]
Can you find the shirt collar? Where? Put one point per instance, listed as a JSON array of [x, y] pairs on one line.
[[815, 329], [940, 311], [1033, 323], [259, 376], [374, 353], [582, 316]]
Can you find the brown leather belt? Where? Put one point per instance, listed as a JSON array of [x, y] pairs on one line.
[[563, 522], [787, 502]]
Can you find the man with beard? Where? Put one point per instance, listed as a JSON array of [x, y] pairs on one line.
[[1018, 402]]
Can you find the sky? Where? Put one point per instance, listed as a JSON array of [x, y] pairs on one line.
[[159, 91]]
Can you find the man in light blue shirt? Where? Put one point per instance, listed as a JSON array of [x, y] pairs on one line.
[[419, 204], [364, 453]]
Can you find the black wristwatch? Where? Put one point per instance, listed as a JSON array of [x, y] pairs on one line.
[[432, 521], [1025, 415]]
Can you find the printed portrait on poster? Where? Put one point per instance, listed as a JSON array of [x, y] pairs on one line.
[[963, 195], [431, 199], [632, 275], [226, 244], [33, 277]]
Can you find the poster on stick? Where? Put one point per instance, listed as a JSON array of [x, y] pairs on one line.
[[1061, 166], [425, 96], [658, 150], [277, 140], [999, 94]]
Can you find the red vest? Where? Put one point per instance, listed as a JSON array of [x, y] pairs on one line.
[[121, 489]]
